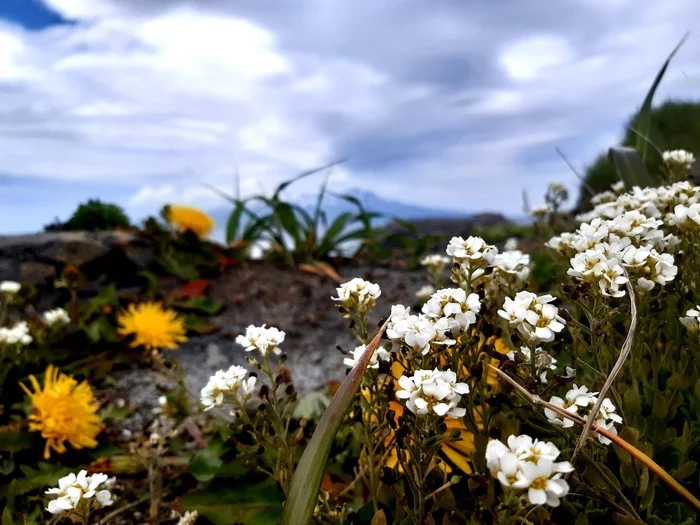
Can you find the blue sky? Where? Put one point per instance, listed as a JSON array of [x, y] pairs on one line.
[[446, 104]]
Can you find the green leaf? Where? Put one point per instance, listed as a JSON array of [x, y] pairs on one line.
[[201, 304], [15, 441], [234, 221], [206, 464], [7, 517], [644, 116], [311, 405], [303, 492], [623, 519], [286, 183], [629, 166], [685, 470], [46, 476], [252, 505]]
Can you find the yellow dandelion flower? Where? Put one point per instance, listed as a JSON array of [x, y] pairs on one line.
[[152, 326], [64, 410], [188, 218]]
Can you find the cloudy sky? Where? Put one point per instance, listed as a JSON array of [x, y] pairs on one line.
[[454, 104]]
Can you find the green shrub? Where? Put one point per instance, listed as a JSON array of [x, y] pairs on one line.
[[674, 125], [95, 215]]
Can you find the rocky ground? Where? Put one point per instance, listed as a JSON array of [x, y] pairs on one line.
[[296, 302]]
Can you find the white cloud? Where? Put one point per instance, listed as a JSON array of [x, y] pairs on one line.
[[434, 104], [531, 57]]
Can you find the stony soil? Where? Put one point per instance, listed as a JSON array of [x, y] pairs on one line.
[[296, 302]]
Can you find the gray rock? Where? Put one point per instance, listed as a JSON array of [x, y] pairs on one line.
[[37, 257]]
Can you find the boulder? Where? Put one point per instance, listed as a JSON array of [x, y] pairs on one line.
[[37, 257]]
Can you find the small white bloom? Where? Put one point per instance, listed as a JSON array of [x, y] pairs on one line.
[[16, 335], [265, 340], [433, 391], [692, 319], [379, 354], [10, 287], [73, 489], [225, 383], [424, 293], [358, 294], [55, 317], [529, 464], [678, 159]]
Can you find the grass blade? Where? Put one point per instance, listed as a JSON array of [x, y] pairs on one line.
[[644, 116], [286, 183], [303, 492], [630, 167]]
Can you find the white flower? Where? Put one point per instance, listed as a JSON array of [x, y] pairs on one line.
[[16, 335], [579, 399], [188, 518], [529, 464], [513, 262], [379, 353], [545, 485], [543, 324], [226, 383], [692, 319], [417, 332], [618, 187], [56, 316], [10, 287], [471, 249], [72, 490], [685, 217], [541, 210], [435, 260], [358, 294], [433, 390], [263, 339], [533, 316], [678, 158], [453, 304], [424, 293], [511, 244]]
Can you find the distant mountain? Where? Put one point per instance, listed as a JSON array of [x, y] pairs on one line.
[[334, 206]]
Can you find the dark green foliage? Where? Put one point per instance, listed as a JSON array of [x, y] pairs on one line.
[[674, 125], [500, 233], [95, 215]]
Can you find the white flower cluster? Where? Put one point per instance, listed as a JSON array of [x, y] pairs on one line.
[[692, 320], [228, 383], [678, 159], [380, 354], [188, 518], [543, 361], [57, 316], [73, 490], [540, 211], [358, 295], [579, 399], [17, 335], [10, 287], [473, 255], [529, 464], [455, 306], [264, 340], [625, 232], [435, 260], [533, 316], [424, 293], [433, 391], [512, 265], [419, 332]]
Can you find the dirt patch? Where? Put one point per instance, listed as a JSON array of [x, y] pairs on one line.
[[296, 302]]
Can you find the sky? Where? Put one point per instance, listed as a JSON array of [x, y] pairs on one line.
[[450, 104]]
